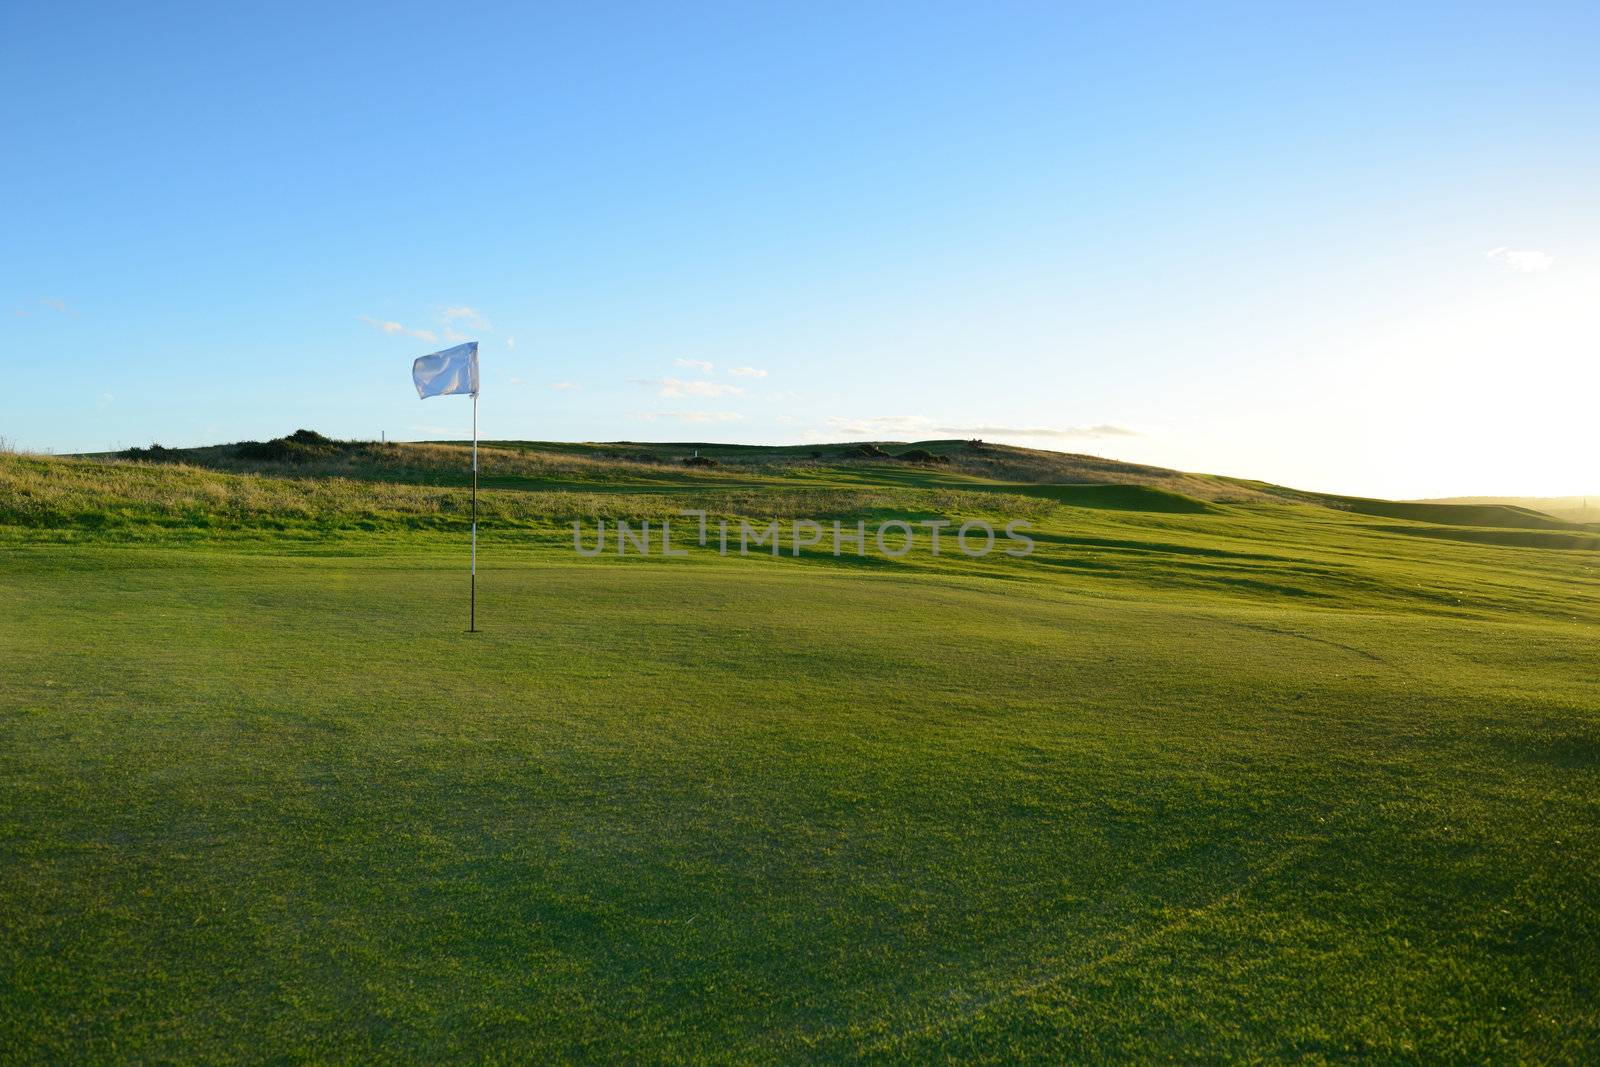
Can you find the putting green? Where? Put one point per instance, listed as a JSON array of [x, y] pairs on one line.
[[758, 809]]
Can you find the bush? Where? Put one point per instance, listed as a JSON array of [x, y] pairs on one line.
[[922, 455], [302, 446], [700, 461], [868, 451], [155, 453], [312, 439]]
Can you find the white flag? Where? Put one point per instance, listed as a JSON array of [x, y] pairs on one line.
[[455, 370]]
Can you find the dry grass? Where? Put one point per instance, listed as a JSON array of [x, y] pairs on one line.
[[423, 462], [628, 463], [48, 492]]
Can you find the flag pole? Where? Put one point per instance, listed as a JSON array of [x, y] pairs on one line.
[[472, 617]]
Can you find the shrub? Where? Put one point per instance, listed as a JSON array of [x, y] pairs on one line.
[[299, 447], [312, 439], [155, 453], [700, 461], [922, 455]]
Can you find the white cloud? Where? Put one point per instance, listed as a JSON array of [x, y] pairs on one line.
[[104, 401], [471, 318], [565, 385], [701, 365], [747, 372], [511, 342], [1522, 260], [397, 330], [673, 388], [1104, 429], [709, 389], [880, 425], [518, 381], [891, 427], [52, 304], [454, 322], [906, 426], [691, 416]]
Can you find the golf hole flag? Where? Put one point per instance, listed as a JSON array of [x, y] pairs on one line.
[[447, 373], [455, 370]]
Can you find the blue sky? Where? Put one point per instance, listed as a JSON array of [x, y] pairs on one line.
[[1343, 247]]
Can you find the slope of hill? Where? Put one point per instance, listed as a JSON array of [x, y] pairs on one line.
[[854, 467], [1502, 516], [1271, 543], [533, 463], [1582, 509]]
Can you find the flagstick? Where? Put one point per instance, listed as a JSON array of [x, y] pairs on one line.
[[472, 618]]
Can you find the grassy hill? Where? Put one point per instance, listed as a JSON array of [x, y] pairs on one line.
[[536, 464], [1221, 771], [1584, 509]]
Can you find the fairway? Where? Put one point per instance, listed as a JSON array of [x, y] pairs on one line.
[[1261, 779]]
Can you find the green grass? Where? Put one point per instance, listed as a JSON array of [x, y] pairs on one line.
[[1497, 515], [1220, 781]]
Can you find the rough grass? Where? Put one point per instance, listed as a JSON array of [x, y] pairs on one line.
[[1243, 782], [1571, 508], [54, 497], [1496, 515], [525, 464]]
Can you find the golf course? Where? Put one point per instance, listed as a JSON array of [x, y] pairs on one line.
[[1220, 771]]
